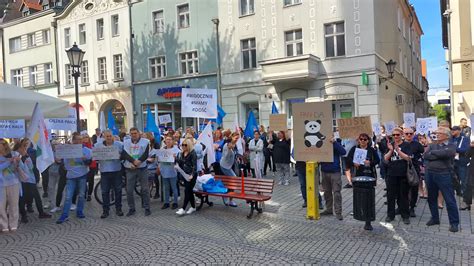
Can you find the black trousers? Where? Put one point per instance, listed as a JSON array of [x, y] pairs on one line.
[[413, 196], [269, 163], [397, 191], [30, 193], [188, 192], [217, 168], [90, 181], [467, 197], [45, 180]]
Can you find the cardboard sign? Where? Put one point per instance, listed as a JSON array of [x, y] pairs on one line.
[[278, 122], [63, 123], [350, 128], [105, 153], [389, 127], [312, 130], [200, 103], [359, 156], [165, 119], [12, 128], [409, 119], [68, 151]]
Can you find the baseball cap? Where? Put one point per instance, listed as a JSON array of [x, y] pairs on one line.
[[456, 128]]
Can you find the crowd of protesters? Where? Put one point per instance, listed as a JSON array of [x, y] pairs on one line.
[[443, 160]]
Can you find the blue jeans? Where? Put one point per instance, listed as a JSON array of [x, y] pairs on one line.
[[227, 172], [112, 180], [460, 167], [72, 184], [302, 178], [441, 182], [167, 183]]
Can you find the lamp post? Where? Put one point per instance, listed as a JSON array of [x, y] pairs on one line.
[[390, 68], [218, 51], [75, 55]]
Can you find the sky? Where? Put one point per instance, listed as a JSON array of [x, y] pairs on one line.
[[428, 12]]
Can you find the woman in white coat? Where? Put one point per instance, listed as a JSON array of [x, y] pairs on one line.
[[256, 155]]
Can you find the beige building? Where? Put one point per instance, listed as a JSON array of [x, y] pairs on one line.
[[306, 50], [101, 29], [462, 51]]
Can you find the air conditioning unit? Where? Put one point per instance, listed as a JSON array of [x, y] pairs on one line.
[[400, 99]]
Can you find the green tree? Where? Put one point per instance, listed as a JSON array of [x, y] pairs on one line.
[[441, 111]]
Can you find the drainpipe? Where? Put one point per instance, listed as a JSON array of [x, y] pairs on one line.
[[447, 14], [3, 56], [132, 74], [218, 51], [56, 55]]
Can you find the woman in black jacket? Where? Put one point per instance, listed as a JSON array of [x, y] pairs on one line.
[[187, 161], [467, 199], [281, 157], [371, 160]]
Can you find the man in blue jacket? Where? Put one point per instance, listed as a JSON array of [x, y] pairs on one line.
[[332, 183], [460, 160]]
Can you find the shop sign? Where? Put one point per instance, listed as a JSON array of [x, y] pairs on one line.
[[171, 92]]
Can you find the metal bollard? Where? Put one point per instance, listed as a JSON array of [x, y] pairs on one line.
[[312, 192]]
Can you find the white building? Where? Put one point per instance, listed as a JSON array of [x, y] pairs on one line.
[[290, 51], [101, 28]]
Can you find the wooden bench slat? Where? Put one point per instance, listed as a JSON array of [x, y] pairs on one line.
[[247, 179], [236, 195]]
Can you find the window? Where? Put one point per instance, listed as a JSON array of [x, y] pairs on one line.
[[17, 77], [247, 7], [294, 42], [48, 73], [291, 2], [82, 33], [183, 16], [404, 29], [102, 63], [405, 65], [85, 72], [158, 21], [118, 69], [335, 40], [249, 53], [15, 44], [100, 29], [400, 60], [189, 63], [157, 67], [46, 36], [68, 75], [399, 18], [31, 39], [67, 37], [115, 25], [33, 75]]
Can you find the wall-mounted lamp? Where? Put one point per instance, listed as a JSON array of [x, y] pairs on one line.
[[390, 68]]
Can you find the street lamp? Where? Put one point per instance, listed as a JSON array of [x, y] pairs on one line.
[[75, 55], [218, 51], [390, 68]]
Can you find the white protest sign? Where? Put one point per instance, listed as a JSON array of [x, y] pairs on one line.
[[12, 128], [409, 119], [389, 127], [63, 123], [165, 155], [68, 151], [165, 119], [105, 153], [426, 125], [376, 128], [359, 156], [200, 103]]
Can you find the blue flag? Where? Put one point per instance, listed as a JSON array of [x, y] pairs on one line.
[[274, 109], [251, 125], [111, 123], [151, 125], [220, 115]]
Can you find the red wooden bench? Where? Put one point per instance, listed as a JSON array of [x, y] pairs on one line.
[[251, 190]]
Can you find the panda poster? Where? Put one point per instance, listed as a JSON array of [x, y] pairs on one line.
[[312, 126]]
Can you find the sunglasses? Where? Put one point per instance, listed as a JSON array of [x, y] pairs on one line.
[[184, 145], [396, 135], [363, 139], [408, 134]]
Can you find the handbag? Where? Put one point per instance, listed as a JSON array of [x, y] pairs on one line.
[[412, 175]]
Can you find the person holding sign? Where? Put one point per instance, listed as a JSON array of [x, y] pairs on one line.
[[369, 161], [135, 152], [77, 170], [9, 188], [110, 175], [187, 166], [169, 174], [397, 156]]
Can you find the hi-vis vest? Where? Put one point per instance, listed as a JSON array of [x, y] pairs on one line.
[[136, 150]]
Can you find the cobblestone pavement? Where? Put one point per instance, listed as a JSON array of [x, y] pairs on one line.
[[223, 235]]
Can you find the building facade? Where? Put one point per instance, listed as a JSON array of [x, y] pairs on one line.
[[101, 28], [174, 47], [462, 51], [291, 51]]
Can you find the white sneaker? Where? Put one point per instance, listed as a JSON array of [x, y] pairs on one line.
[[55, 209], [279, 182], [181, 212], [73, 207], [191, 210], [287, 183]]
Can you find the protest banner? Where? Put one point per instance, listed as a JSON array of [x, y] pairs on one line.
[[199, 103], [409, 119], [105, 153], [312, 131], [389, 127], [68, 151], [12, 128], [63, 123], [350, 128], [278, 122], [359, 156], [165, 119]]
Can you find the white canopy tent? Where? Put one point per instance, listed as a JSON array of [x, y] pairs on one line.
[[18, 103]]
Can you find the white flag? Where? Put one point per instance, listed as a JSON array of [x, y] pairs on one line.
[[102, 125], [38, 135], [206, 138]]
